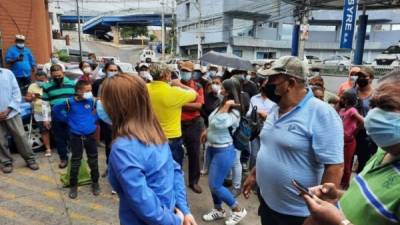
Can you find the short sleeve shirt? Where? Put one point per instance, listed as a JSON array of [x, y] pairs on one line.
[[349, 123], [190, 115], [297, 145]]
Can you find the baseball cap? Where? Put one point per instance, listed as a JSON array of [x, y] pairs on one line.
[[20, 37], [286, 65], [368, 71], [187, 65]]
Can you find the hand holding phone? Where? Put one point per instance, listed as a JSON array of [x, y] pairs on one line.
[[302, 188]]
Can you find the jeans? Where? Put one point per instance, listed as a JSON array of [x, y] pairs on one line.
[[191, 132], [175, 144], [254, 148], [271, 217], [106, 136], [237, 171], [14, 127], [221, 162], [61, 135], [349, 150], [78, 143]]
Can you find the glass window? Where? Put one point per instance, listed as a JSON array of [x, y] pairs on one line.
[[187, 10], [238, 53], [395, 26], [321, 28], [382, 27], [287, 30], [265, 55]]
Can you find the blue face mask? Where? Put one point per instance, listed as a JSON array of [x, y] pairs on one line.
[[186, 76], [383, 127], [40, 83], [102, 113]]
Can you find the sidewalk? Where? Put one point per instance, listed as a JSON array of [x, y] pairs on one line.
[[37, 197]]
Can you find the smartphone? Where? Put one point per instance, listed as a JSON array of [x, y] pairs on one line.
[[301, 188]]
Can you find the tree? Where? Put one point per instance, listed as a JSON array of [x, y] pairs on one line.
[[132, 32]]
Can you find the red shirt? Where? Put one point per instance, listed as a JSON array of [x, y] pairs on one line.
[[190, 115]]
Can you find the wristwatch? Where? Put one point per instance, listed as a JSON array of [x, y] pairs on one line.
[[345, 222]]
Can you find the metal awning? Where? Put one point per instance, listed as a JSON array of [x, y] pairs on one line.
[[338, 4]]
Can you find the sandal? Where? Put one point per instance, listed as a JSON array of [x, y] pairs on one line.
[[48, 153]]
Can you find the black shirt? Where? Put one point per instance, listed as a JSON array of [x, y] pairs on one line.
[[211, 102]]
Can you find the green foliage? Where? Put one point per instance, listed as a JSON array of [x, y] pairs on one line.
[[132, 32], [153, 37], [63, 55]]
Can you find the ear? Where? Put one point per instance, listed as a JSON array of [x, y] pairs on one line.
[[292, 82]]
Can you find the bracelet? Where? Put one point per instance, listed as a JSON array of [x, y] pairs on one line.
[[345, 222]]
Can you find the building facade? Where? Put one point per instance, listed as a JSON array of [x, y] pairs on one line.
[[29, 18], [258, 30]]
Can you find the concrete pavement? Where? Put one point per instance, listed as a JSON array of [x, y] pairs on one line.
[[38, 198]]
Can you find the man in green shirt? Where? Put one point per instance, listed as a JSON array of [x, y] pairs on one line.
[[56, 92], [373, 197]]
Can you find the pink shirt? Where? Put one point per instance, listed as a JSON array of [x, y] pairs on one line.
[[350, 123]]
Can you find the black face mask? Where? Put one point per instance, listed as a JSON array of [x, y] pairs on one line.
[[362, 82], [269, 91], [58, 81]]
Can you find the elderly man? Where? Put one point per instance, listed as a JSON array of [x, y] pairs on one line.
[[10, 122], [302, 139], [21, 61]]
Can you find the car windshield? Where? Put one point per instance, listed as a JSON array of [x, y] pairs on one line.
[[395, 49]]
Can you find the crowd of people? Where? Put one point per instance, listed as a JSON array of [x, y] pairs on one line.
[[150, 121]]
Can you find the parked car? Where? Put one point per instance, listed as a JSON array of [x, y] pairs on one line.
[[389, 58], [148, 56], [342, 62], [312, 60]]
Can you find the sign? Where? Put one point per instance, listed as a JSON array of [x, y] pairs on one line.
[[348, 24]]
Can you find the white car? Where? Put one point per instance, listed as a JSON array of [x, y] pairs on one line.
[[389, 58], [312, 60], [340, 61], [148, 56]]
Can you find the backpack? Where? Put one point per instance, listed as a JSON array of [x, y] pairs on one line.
[[249, 128]]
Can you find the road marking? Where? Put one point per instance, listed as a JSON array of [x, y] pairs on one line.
[[79, 217], [12, 215], [41, 177]]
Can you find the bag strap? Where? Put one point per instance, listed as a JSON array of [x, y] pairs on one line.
[[67, 104]]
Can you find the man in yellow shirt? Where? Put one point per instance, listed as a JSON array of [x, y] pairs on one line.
[[167, 99]]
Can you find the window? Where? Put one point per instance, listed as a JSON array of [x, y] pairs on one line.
[[395, 26], [273, 25], [321, 28], [382, 27], [187, 10], [286, 33], [238, 53], [394, 49], [265, 55]]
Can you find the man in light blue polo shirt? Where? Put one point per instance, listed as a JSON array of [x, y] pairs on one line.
[[21, 61], [302, 139]]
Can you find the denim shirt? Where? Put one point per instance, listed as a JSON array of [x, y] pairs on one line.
[[219, 124]]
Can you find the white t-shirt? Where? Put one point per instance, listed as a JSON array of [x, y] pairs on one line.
[[262, 104]]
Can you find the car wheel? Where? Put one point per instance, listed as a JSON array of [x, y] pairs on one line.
[[36, 141], [341, 68]]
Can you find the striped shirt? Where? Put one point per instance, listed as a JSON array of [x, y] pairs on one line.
[[373, 197]]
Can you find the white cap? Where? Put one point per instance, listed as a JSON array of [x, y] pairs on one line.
[[20, 37]]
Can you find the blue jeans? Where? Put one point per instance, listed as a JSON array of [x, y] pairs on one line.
[[237, 171], [221, 162], [175, 144], [61, 137]]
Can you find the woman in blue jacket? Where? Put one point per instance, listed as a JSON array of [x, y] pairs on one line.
[[148, 181]]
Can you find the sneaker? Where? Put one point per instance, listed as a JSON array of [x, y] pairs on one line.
[[63, 164], [73, 192], [33, 166], [7, 168], [236, 191], [95, 189], [48, 153], [214, 215], [236, 217]]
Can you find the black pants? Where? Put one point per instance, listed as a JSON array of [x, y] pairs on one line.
[[78, 143], [271, 217], [191, 132], [365, 149], [106, 136]]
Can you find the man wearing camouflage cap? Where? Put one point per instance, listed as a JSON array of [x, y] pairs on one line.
[[302, 139]]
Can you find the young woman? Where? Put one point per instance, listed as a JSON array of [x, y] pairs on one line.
[[142, 171], [86, 70], [222, 153]]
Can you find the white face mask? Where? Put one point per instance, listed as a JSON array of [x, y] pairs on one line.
[[111, 74], [87, 70], [20, 45], [88, 95], [216, 88]]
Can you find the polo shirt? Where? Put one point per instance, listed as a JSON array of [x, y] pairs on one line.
[[81, 116], [376, 190], [167, 103], [57, 96], [190, 115], [262, 104], [297, 145], [21, 68]]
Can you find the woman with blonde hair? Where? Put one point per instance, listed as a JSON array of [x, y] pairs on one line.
[[142, 171]]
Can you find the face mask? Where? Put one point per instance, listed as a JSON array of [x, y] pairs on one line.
[[186, 76], [353, 78], [58, 81], [111, 74], [88, 95], [216, 88], [269, 91], [383, 127], [40, 83], [211, 73], [54, 60], [87, 70], [197, 75], [362, 82], [20, 45], [248, 77], [102, 113]]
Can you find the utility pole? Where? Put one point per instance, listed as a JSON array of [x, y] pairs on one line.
[[199, 32], [305, 26], [79, 30], [174, 31], [162, 30]]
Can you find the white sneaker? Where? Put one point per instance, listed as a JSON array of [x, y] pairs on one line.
[[214, 215], [236, 217]]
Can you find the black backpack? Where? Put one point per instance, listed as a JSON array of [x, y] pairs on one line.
[[249, 128]]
